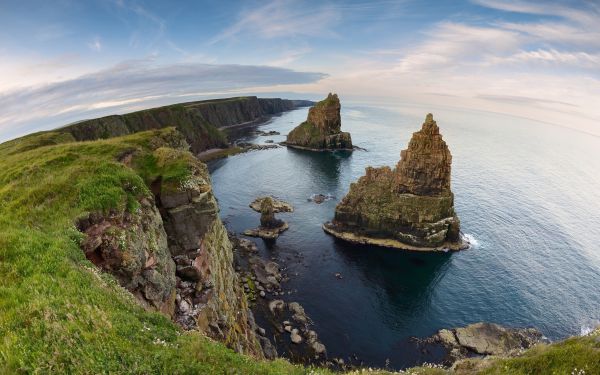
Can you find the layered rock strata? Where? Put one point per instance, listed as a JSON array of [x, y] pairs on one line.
[[409, 207], [322, 129]]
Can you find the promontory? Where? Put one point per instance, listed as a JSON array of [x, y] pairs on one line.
[[410, 207], [322, 129]]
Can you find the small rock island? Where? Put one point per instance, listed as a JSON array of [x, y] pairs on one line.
[[270, 226], [322, 129], [410, 207]]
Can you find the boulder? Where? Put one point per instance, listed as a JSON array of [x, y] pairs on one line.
[[276, 306], [486, 339], [295, 336]]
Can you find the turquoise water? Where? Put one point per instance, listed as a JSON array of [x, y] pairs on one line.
[[527, 193]]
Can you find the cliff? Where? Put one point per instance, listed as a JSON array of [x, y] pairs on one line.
[[322, 128], [410, 207], [197, 121], [173, 252]]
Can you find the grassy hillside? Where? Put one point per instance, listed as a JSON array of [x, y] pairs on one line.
[[58, 314]]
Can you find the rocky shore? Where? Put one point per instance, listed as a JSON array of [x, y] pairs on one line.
[[410, 207], [286, 325], [481, 340]]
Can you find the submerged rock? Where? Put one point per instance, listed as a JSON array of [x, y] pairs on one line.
[[320, 198], [322, 128], [409, 207]]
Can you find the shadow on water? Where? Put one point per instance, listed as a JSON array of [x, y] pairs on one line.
[[406, 277], [402, 285], [322, 166]]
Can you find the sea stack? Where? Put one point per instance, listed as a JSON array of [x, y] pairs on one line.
[[410, 207], [322, 129], [270, 226]]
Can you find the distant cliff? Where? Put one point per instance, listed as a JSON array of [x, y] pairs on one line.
[[197, 121]]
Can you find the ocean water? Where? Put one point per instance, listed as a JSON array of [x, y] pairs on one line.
[[527, 194]]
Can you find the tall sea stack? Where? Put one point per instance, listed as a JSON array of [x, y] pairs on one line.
[[322, 129], [410, 207]]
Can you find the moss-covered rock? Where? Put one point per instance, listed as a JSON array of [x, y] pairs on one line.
[[410, 207], [322, 128]]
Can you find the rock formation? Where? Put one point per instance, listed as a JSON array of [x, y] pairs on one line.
[[322, 129], [484, 339], [410, 207], [270, 227]]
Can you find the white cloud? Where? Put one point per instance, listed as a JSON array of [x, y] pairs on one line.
[[451, 43], [290, 56], [552, 57], [95, 45], [281, 19], [138, 82], [584, 13]]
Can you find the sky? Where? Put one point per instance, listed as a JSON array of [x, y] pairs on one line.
[[67, 60]]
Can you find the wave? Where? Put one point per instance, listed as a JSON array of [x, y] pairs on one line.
[[472, 240], [587, 329]]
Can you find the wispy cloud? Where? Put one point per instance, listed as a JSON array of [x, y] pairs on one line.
[[585, 13], [290, 56], [95, 44], [138, 82], [282, 19]]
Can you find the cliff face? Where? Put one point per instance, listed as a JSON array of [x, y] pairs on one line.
[[133, 247], [173, 253], [411, 206], [322, 128], [209, 297], [197, 121], [199, 133]]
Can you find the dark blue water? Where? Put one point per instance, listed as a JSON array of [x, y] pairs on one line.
[[527, 193]]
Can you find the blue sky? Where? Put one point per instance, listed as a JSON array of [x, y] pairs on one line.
[[67, 60]]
